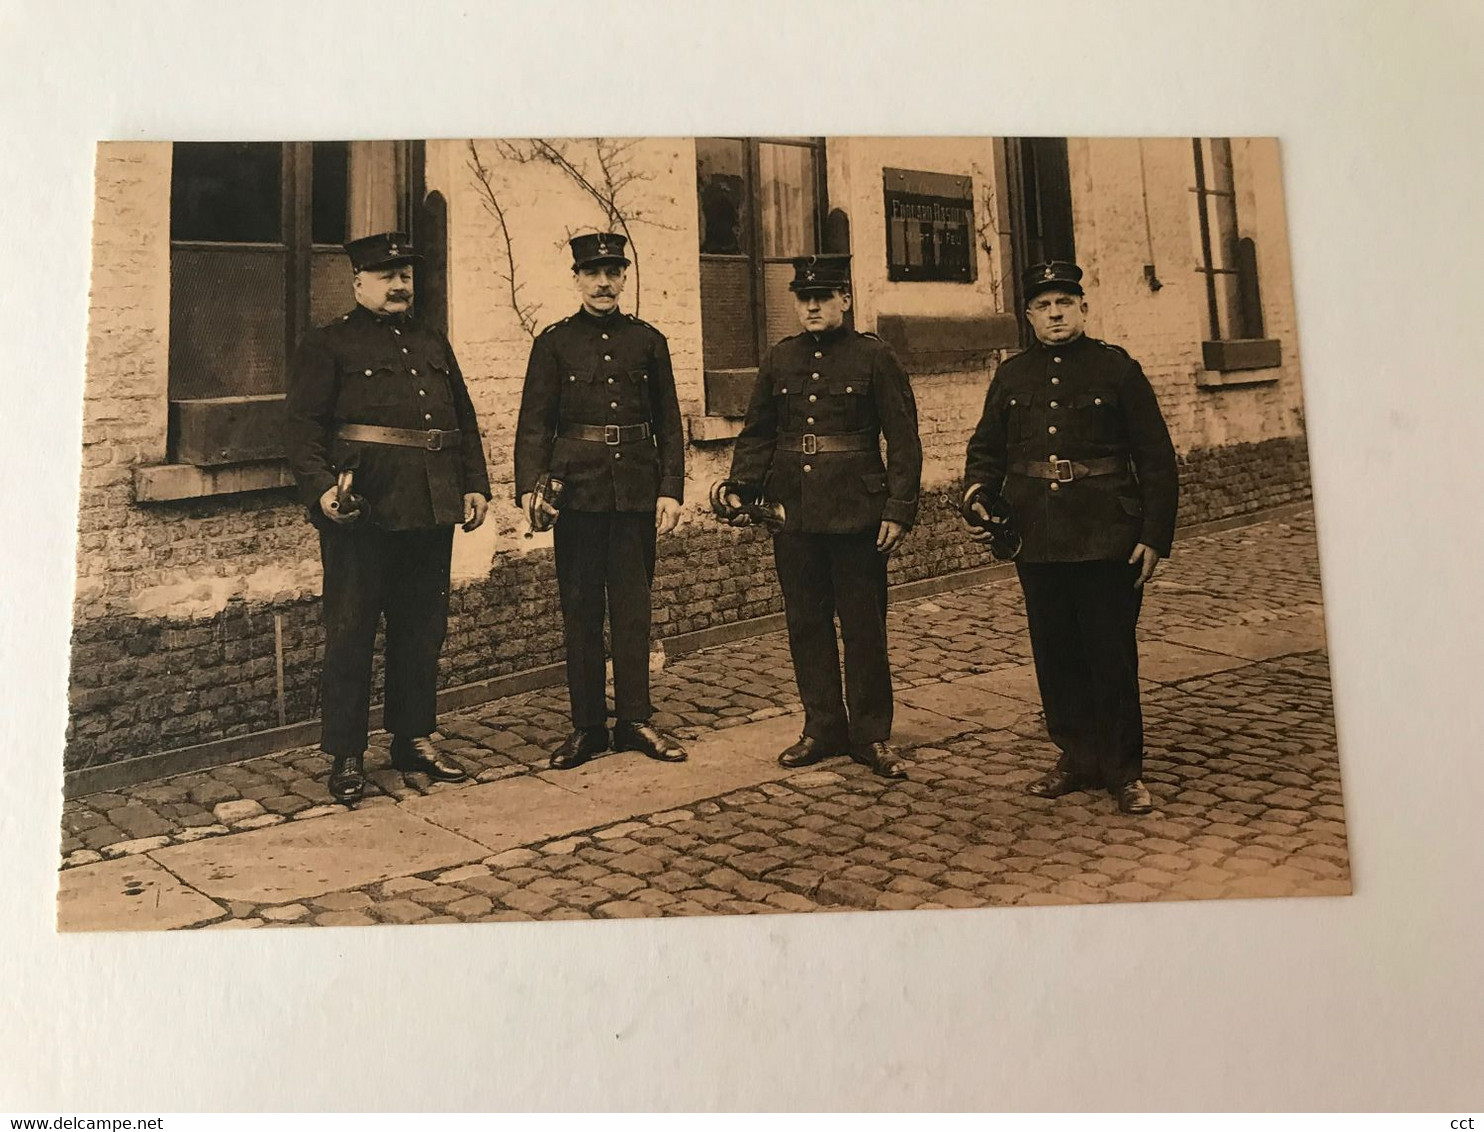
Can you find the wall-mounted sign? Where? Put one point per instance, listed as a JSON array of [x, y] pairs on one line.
[[929, 226]]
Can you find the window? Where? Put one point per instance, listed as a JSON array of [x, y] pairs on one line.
[[1040, 208], [255, 260], [760, 204], [1228, 261]]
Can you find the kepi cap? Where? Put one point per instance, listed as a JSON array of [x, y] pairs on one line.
[[1053, 275], [820, 273], [385, 249], [593, 248]]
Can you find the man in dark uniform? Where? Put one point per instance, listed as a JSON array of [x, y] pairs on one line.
[[599, 415], [378, 395], [811, 442], [1073, 440]]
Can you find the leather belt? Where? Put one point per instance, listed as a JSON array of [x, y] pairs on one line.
[[429, 439], [1065, 471], [607, 434], [808, 443]]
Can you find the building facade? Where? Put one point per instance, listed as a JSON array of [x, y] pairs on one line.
[[196, 632]]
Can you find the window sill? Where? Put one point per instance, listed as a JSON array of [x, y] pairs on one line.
[[928, 344], [1238, 354], [165, 483], [712, 429]]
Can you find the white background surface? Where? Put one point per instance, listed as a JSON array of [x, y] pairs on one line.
[[1367, 1002]]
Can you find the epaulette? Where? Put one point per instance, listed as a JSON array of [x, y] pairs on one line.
[[869, 334], [1114, 347], [554, 325], [636, 319]]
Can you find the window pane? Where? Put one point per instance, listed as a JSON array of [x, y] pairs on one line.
[[331, 188], [721, 194], [787, 203], [226, 322], [227, 192]]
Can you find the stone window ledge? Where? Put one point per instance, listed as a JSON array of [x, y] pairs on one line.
[[1242, 354], [712, 429], [164, 483], [928, 344]]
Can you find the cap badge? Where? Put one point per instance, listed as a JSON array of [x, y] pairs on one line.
[[1049, 273], [602, 247]]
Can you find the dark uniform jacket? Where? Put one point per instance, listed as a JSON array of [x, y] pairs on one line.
[[601, 370], [831, 384], [1076, 401], [395, 372]]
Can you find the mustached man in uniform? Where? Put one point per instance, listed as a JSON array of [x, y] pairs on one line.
[[378, 395], [1073, 440], [599, 415], [811, 442]]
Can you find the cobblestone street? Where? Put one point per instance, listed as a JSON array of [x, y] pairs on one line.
[[1241, 760]]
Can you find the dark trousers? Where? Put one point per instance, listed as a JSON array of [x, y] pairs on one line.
[[1082, 619], [822, 576], [403, 575], [606, 559]]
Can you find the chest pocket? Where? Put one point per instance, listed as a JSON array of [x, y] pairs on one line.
[[374, 385], [1096, 415], [1020, 416]]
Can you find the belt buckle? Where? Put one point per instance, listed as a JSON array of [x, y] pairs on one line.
[[811, 444], [611, 434], [434, 441], [1062, 471]]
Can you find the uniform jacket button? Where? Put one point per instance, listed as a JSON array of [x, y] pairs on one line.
[[1097, 400], [427, 416], [1052, 430], [1054, 381], [368, 373], [809, 420], [1055, 486], [1054, 405], [618, 455], [607, 357], [817, 354], [812, 397], [605, 338], [808, 467]]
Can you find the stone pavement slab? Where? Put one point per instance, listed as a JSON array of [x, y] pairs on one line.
[[1018, 683], [130, 894], [1259, 642], [1166, 663], [967, 700], [298, 860]]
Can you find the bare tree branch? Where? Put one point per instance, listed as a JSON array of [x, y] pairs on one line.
[[526, 313]]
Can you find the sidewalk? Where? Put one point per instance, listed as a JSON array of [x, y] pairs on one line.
[[1241, 760]]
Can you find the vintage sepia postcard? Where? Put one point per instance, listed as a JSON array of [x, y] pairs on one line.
[[580, 528]]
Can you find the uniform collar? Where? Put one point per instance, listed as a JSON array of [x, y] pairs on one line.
[[1078, 343], [828, 336], [587, 316], [366, 314]]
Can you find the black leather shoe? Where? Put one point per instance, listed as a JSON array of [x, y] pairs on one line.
[[882, 758], [808, 751], [420, 756], [348, 779], [1133, 798], [1055, 783], [639, 736], [578, 747]]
